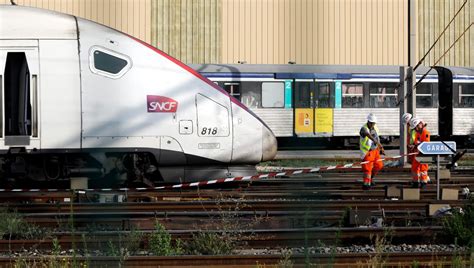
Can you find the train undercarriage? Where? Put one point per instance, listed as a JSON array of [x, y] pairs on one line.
[[105, 170], [115, 168]]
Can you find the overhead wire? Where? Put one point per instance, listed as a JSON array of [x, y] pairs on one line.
[[413, 89]]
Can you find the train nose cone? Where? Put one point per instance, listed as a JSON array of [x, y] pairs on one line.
[[269, 146]]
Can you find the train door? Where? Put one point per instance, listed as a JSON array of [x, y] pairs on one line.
[[19, 74], [313, 109], [304, 108], [214, 128]]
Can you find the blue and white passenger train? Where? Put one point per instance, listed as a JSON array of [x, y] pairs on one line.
[[331, 102], [80, 99]]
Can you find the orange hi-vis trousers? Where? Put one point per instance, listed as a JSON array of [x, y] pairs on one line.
[[419, 172], [372, 168]]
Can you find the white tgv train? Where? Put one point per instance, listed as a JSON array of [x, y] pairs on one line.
[[79, 97]]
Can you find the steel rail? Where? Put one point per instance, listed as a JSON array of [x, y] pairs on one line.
[[428, 259], [254, 238]]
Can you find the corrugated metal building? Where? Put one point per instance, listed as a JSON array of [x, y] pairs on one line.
[[367, 32]]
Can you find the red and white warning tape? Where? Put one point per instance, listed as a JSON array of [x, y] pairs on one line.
[[216, 181]]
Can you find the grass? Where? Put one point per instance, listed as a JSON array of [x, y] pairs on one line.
[[306, 162]]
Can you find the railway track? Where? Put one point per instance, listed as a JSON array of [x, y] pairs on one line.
[[330, 185], [249, 238], [431, 259], [278, 213]]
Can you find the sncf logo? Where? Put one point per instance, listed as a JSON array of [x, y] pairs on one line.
[[160, 104]]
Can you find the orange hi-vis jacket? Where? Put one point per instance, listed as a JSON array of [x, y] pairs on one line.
[[421, 137], [420, 171]]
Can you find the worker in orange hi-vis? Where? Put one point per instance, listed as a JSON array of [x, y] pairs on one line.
[[419, 171], [370, 149], [406, 117]]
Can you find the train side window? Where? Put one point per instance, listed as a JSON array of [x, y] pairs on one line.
[[108, 63], [251, 94], [466, 95], [303, 95], [424, 95], [273, 95], [323, 95], [383, 95], [233, 89], [352, 95]]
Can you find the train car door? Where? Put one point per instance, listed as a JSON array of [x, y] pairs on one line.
[[19, 65], [304, 107], [214, 128], [313, 109]]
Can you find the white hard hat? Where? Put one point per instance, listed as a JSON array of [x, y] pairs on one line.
[[406, 118], [414, 122], [372, 118]]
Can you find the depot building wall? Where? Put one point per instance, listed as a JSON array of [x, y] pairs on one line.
[[366, 32]]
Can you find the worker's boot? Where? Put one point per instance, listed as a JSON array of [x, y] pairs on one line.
[[415, 184], [366, 186], [372, 183]]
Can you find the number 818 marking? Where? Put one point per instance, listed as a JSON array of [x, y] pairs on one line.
[[209, 131]]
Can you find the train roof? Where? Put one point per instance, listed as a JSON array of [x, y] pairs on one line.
[[20, 22], [466, 71], [296, 68], [341, 71]]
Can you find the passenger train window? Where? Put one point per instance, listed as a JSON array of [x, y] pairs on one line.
[[108, 63], [323, 95], [383, 95], [303, 94], [352, 95], [466, 95], [233, 89], [273, 95], [251, 93], [424, 95]]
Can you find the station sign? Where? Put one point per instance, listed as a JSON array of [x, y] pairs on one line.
[[437, 147]]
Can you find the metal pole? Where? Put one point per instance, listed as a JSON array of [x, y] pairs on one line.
[[412, 14], [403, 109], [412, 55], [437, 177]]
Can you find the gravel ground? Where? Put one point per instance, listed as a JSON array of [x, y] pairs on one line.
[[266, 251], [359, 249]]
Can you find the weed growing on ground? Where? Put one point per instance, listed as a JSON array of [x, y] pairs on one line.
[[161, 243], [206, 243], [459, 225], [56, 250], [286, 262], [304, 162], [13, 226], [133, 240], [46, 262], [380, 242], [226, 232]]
